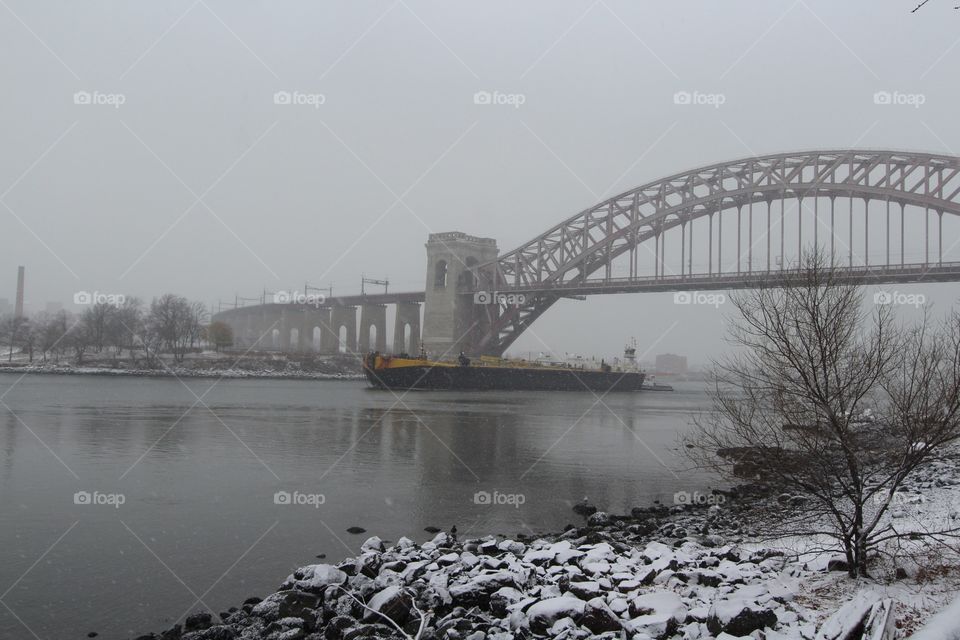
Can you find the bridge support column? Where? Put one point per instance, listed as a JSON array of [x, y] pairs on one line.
[[328, 334], [247, 336], [269, 327], [344, 317], [305, 336], [408, 314], [286, 324], [451, 319], [373, 315]]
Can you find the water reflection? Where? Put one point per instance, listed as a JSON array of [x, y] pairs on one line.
[[200, 484]]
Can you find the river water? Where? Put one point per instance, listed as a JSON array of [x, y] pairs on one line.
[[127, 502]]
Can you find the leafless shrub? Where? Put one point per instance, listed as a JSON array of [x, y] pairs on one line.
[[835, 405]]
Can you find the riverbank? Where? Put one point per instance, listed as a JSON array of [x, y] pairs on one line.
[[686, 571], [205, 365]]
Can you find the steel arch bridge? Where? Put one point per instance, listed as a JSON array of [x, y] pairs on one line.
[[620, 245]]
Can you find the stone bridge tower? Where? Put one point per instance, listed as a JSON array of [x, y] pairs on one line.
[[451, 320]]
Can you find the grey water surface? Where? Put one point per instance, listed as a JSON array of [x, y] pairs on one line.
[[127, 502]]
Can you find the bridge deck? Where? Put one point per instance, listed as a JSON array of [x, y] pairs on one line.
[[866, 275], [337, 301]]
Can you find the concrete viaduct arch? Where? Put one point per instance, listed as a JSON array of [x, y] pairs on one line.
[[624, 245]]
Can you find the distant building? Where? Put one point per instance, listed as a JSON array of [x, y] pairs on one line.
[[671, 363]]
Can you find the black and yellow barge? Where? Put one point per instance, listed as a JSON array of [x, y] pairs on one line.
[[493, 374]]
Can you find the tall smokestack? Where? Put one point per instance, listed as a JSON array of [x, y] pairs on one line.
[[18, 312]]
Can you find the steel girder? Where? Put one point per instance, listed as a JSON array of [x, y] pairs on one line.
[[571, 251]]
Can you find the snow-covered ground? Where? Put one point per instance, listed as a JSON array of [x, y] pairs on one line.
[[688, 572], [197, 365]]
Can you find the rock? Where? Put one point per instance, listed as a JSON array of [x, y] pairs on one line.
[[369, 631], [544, 613], [219, 632], [739, 617], [286, 604], [336, 626], [373, 543], [356, 530], [392, 602], [837, 563], [599, 519], [197, 621], [173, 633], [864, 610], [295, 604], [503, 598], [665, 604], [599, 618], [585, 590], [315, 578], [432, 529], [92, 634], [512, 546], [584, 508]]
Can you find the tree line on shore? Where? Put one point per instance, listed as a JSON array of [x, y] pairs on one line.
[[169, 325]]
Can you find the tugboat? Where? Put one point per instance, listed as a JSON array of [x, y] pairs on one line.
[[493, 374]]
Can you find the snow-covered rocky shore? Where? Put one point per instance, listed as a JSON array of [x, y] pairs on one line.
[[177, 372], [681, 572]]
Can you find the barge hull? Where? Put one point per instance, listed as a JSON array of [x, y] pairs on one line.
[[469, 378]]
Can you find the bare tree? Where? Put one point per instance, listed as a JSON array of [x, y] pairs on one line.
[[78, 337], [97, 319], [29, 337], [13, 330], [219, 334], [125, 326], [169, 325], [54, 330], [198, 319], [833, 404]]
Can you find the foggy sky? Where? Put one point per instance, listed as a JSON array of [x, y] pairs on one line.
[[200, 184]]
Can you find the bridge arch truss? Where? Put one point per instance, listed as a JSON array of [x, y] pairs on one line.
[[737, 224]]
